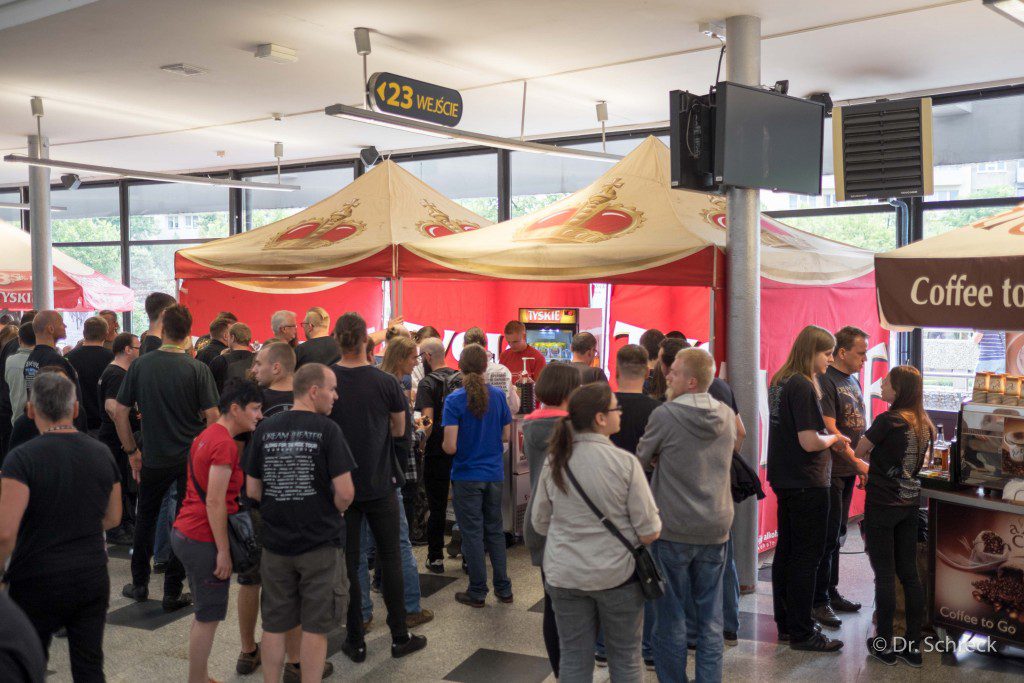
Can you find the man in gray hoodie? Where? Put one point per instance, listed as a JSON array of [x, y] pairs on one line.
[[689, 443]]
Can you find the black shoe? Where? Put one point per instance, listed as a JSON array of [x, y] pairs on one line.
[[507, 599], [357, 653], [881, 650], [730, 638], [826, 617], [841, 604], [160, 567], [293, 672], [136, 593], [818, 643], [784, 635], [248, 662], [910, 655], [412, 644], [467, 599], [174, 603], [436, 566], [601, 661]]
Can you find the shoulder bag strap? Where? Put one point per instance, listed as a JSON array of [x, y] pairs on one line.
[[195, 482], [604, 520]]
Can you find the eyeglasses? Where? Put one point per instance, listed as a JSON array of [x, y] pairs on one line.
[[616, 409], [137, 348]]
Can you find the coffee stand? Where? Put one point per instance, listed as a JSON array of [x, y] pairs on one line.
[[973, 278]]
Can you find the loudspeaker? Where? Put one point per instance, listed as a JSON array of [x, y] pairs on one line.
[[369, 156], [883, 150], [692, 141]]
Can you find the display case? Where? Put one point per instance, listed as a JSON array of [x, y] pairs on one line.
[[990, 445]]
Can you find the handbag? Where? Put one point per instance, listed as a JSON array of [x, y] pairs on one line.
[[652, 584], [242, 543]]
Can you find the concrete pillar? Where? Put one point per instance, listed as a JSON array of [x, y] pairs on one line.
[[39, 225], [743, 66]]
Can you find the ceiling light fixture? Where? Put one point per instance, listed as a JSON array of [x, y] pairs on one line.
[[26, 207], [276, 53], [344, 111], [147, 175], [1011, 9], [182, 69]]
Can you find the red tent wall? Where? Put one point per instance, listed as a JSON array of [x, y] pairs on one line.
[[207, 298], [453, 306]]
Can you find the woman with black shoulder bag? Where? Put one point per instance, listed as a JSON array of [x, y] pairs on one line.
[[595, 507]]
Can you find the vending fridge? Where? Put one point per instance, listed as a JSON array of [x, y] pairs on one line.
[[550, 330]]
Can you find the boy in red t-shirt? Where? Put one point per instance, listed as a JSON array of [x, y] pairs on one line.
[[518, 349]]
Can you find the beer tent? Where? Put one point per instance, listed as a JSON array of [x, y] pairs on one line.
[[76, 286], [335, 254], [662, 250]]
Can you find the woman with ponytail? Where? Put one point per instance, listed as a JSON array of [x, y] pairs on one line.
[[476, 423], [897, 442], [589, 574]]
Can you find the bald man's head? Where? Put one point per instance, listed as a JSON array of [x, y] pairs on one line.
[[49, 327], [433, 352]]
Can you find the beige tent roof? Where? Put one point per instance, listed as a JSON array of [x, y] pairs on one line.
[[629, 225], [352, 233]]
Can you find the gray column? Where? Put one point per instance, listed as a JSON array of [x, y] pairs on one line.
[[39, 225], [743, 65]]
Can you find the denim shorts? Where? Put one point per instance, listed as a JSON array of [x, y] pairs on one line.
[[200, 560]]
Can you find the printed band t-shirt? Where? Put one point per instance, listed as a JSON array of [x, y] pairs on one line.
[[479, 451], [213, 447], [896, 459], [296, 454], [366, 398], [69, 476], [842, 400], [793, 408]]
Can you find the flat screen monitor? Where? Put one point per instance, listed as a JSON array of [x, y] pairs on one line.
[[766, 140]]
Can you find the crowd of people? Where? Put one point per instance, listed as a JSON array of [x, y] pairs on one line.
[[310, 470]]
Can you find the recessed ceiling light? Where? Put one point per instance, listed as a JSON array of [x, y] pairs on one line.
[[276, 53], [183, 69]]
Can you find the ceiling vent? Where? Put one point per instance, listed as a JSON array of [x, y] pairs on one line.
[[183, 69]]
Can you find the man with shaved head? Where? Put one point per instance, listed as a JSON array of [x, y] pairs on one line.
[[438, 383], [49, 328]]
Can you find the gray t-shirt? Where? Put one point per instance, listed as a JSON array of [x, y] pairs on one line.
[[580, 552]]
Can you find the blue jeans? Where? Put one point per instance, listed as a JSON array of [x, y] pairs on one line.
[[162, 540], [691, 571], [730, 599], [410, 576], [478, 511]]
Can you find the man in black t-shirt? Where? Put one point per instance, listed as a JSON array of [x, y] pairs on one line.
[[219, 341], [235, 363], [50, 329], [156, 303], [60, 492], [439, 381], [299, 469], [371, 411], [177, 399], [842, 407], [90, 359], [584, 351], [126, 350], [320, 346], [630, 373]]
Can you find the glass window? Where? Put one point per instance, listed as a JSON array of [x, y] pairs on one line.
[[261, 207], [538, 180], [470, 180], [951, 357], [106, 260], [874, 231], [12, 216], [93, 215], [152, 268], [163, 211]]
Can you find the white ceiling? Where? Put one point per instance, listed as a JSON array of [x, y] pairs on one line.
[[107, 102]]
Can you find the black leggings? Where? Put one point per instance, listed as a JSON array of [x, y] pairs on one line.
[[891, 542], [78, 603], [551, 643], [437, 470]]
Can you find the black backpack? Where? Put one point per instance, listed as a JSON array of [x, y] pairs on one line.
[[450, 381]]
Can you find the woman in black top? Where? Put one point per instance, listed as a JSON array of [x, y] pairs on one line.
[[898, 442], [799, 470]]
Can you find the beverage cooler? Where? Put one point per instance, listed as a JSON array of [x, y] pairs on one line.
[[550, 330]]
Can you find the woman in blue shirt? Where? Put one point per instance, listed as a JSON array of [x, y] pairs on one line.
[[476, 425]]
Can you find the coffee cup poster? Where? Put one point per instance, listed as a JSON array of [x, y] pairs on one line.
[[979, 571], [1013, 448]]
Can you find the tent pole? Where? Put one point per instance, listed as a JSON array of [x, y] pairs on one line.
[[39, 224], [743, 335]]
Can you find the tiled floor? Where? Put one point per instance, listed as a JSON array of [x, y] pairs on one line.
[[503, 642]]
